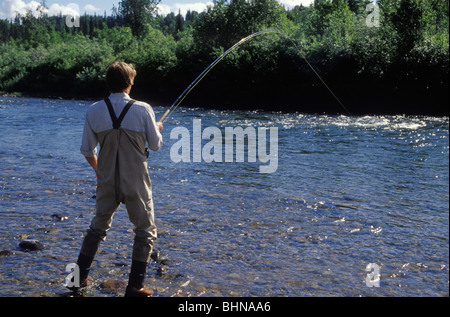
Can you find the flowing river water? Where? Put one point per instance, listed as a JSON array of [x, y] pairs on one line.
[[347, 192]]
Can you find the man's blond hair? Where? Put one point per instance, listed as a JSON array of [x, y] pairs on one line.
[[120, 76]]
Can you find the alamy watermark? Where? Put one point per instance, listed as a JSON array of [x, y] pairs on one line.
[[73, 16], [229, 146], [73, 278], [373, 16], [373, 277]]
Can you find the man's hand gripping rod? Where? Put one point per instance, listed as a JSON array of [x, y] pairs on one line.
[[164, 115]]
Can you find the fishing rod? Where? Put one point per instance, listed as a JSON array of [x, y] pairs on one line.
[[242, 41]]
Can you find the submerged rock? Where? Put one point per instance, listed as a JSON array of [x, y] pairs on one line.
[[163, 261], [6, 253], [59, 217], [155, 255], [112, 284], [161, 271], [31, 245]]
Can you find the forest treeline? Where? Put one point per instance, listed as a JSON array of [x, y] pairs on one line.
[[400, 65]]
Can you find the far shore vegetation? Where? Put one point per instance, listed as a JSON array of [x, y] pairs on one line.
[[398, 66]]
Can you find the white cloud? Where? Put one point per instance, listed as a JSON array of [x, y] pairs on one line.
[[70, 9], [10, 8], [289, 4], [90, 8], [165, 9]]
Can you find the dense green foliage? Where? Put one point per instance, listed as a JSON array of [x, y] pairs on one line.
[[400, 66]]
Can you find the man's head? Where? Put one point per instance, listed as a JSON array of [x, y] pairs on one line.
[[120, 76]]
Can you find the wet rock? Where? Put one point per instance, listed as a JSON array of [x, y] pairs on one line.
[[6, 253], [155, 255], [163, 261], [59, 217], [31, 245], [45, 230], [161, 270], [112, 285], [162, 232]]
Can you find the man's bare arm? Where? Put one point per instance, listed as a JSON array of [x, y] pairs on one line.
[[92, 161]]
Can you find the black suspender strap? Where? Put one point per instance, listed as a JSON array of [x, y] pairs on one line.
[[118, 122], [124, 112], [111, 112]]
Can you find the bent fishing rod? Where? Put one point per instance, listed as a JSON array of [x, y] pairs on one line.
[[180, 99]]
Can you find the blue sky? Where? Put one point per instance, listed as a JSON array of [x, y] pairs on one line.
[[9, 7]]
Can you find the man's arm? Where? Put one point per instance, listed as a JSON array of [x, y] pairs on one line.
[[92, 161], [153, 130], [89, 144]]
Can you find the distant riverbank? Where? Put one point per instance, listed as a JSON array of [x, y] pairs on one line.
[[312, 98]]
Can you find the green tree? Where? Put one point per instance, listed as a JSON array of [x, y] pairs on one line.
[[137, 13], [406, 22], [4, 30], [227, 22], [331, 28], [179, 25], [358, 6], [35, 29]]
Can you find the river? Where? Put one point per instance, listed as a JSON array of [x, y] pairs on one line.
[[355, 206]]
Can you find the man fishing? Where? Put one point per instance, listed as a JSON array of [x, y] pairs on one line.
[[122, 127]]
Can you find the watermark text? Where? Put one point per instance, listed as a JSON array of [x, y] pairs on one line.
[[226, 146]]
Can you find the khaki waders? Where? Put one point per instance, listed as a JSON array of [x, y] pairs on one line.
[[122, 177]]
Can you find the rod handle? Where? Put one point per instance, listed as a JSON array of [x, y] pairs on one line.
[[164, 115]]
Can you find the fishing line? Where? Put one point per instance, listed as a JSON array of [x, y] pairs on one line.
[[180, 99]]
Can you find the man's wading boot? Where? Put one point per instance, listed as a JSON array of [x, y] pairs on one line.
[[83, 284], [138, 292], [84, 264], [135, 286]]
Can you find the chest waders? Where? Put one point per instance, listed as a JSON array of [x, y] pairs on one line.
[[122, 177]]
